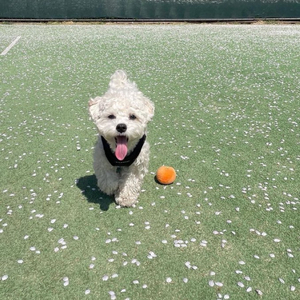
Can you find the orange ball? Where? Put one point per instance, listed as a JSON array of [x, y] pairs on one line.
[[165, 175]]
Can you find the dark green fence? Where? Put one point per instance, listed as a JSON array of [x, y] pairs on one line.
[[148, 9]]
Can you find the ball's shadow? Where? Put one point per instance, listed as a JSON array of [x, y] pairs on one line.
[[89, 188]]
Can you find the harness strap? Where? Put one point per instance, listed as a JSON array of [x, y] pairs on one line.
[[129, 159]]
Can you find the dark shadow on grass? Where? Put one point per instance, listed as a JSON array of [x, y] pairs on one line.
[[89, 188]]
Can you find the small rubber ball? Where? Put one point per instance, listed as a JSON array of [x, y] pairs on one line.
[[165, 175]]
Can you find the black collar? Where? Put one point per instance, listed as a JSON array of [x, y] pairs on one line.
[[129, 159]]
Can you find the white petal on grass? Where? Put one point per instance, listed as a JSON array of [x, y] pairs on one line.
[[66, 283], [203, 243], [4, 277], [281, 280], [152, 254]]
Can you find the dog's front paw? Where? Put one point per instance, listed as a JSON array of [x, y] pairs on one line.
[[125, 201]]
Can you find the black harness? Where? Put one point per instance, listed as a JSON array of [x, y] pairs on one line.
[[129, 159]]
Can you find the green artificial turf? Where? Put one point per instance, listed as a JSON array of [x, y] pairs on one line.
[[227, 119]]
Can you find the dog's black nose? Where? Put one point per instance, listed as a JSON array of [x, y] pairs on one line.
[[121, 127]]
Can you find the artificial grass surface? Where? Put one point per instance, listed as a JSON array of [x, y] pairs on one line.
[[227, 114]]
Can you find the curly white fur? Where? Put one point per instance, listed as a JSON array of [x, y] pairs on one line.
[[123, 111]]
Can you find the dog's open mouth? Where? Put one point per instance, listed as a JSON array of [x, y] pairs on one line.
[[121, 147]]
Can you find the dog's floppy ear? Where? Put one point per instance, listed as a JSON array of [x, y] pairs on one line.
[[150, 107], [94, 108]]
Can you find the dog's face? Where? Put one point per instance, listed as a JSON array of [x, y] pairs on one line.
[[121, 115]]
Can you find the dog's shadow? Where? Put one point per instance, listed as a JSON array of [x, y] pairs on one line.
[[89, 188]]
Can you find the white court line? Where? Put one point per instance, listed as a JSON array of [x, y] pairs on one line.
[[10, 46]]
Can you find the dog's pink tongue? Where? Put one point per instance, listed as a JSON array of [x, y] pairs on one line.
[[121, 150]]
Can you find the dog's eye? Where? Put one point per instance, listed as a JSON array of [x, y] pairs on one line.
[[132, 117], [111, 117]]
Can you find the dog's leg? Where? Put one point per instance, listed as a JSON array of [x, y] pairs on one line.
[[131, 179], [129, 186], [108, 182], [128, 191], [107, 177]]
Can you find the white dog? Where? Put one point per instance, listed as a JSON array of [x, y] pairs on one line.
[[121, 154]]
